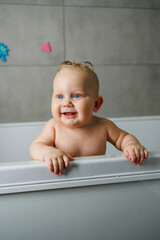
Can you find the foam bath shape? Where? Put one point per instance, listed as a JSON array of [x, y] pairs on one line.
[[46, 47], [3, 52]]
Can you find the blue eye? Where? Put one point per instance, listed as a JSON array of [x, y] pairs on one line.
[[76, 95], [60, 96]]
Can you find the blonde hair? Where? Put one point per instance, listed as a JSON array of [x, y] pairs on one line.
[[85, 66]]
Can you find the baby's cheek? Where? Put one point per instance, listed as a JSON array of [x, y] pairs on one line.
[[89, 108], [55, 110], [87, 112]]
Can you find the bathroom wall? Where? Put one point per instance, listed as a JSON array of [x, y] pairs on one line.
[[120, 37]]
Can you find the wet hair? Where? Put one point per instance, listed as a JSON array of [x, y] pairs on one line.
[[85, 66]]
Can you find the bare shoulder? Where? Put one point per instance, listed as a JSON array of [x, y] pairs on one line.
[[49, 125], [104, 121], [47, 133], [110, 127]]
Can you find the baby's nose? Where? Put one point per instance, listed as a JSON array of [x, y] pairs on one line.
[[68, 103]]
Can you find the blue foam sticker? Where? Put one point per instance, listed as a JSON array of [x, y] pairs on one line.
[[3, 52]]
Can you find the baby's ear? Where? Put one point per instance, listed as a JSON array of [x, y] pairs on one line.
[[98, 103]]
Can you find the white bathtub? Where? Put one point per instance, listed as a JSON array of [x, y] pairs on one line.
[[103, 197]]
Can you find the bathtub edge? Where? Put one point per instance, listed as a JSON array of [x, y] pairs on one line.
[[34, 176]]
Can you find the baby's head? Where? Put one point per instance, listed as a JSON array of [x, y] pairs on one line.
[[85, 69], [76, 90]]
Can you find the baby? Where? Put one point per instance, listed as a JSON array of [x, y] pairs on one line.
[[74, 127]]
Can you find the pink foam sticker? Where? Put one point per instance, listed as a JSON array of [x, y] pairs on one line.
[[46, 47]]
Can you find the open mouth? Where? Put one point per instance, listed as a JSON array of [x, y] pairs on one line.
[[70, 114]]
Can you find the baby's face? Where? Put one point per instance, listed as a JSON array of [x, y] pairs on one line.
[[73, 98]]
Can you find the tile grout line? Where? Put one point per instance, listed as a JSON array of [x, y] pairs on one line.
[[81, 6], [64, 32]]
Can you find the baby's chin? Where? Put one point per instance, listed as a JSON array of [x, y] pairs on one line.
[[73, 122]]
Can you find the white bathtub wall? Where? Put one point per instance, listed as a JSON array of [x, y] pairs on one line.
[[15, 139], [120, 37], [96, 198], [116, 211]]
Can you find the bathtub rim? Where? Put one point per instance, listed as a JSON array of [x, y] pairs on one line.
[[34, 175]]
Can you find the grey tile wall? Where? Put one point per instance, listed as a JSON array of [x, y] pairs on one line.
[[120, 37], [129, 90], [26, 93], [27, 28]]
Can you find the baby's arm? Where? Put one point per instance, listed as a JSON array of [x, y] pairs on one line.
[[127, 143], [43, 149]]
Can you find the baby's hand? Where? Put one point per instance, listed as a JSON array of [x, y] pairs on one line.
[[136, 153], [56, 160]]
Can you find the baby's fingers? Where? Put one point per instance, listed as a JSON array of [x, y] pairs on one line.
[[57, 163], [138, 155], [50, 165], [60, 166], [67, 158], [133, 156], [145, 153], [62, 161], [55, 166], [70, 157], [141, 157]]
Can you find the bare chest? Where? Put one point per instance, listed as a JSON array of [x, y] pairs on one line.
[[82, 143]]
